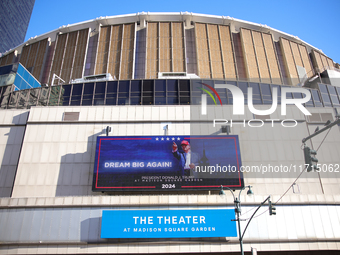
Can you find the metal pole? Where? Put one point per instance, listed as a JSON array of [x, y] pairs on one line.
[[321, 130], [238, 211]]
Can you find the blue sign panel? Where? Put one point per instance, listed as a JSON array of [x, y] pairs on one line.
[[167, 163], [168, 223]]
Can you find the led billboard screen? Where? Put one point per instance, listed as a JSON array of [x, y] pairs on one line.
[[158, 163]]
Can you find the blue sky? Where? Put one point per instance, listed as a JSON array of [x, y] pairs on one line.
[[314, 22]]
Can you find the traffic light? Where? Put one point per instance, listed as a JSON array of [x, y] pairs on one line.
[[310, 159], [272, 208]]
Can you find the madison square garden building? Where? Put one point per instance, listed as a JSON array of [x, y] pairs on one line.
[[117, 134]]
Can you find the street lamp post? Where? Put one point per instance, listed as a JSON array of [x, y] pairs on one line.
[[238, 211]]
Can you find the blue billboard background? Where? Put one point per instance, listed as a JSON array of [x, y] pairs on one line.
[[168, 223], [149, 163]]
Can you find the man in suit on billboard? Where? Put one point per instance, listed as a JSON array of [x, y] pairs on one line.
[[188, 160]]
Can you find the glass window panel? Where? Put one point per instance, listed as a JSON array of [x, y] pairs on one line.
[[338, 90], [65, 101], [112, 87], [222, 92], [160, 85], [278, 88], [147, 100], [148, 86], [184, 94], [322, 88], [99, 96], [66, 90], [22, 98], [310, 102], [335, 100], [185, 100], [88, 88], [266, 93], [256, 93], [244, 87], [184, 85], [172, 94], [65, 95], [135, 101], [13, 99], [172, 85], [76, 102], [124, 86], [195, 86], [123, 101], [54, 95], [136, 86], [331, 90], [44, 93], [100, 88], [111, 101], [77, 90], [326, 99], [160, 100], [160, 94], [316, 98], [172, 100], [33, 97], [85, 97], [84, 102], [99, 101], [195, 100], [297, 95]]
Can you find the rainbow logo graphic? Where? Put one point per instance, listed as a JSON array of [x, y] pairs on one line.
[[209, 93]]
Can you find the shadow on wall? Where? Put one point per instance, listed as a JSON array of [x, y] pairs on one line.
[[76, 170], [11, 148], [90, 227]]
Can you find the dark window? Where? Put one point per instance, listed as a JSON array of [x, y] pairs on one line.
[[222, 93], [99, 94], [244, 87], [136, 88], [33, 97], [266, 94], [13, 99], [172, 92], [43, 97], [88, 94], [333, 95], [123, 94], [160, 92], [196, 92], [316, 98], [310, 103], [324, 95], [148, 90], [256, 93], [22, 98], [278, 88], [111, 93], [184, 88], [206, 84], [65, 95], [76, 94]]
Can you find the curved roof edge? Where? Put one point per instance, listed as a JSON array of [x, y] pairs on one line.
[[162, 16]]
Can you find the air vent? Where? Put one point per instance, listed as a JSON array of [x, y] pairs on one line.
[[71, 116], [173, 74]]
